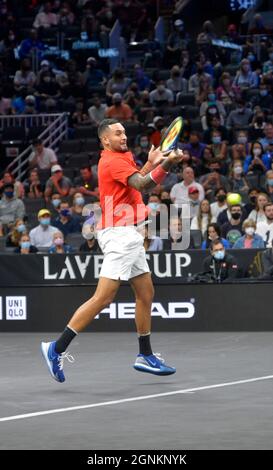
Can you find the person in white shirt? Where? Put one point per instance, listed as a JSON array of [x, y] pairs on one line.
[[257, 214], [45, 18], [203, 219], [179, 192], [220, 205], [42, 235], [265, 229], [42, 157], [97, 111]]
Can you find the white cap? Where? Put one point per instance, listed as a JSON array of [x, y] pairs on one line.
[[157, 118], [30, 98], [178, 22], [55, 168], [44, 62]]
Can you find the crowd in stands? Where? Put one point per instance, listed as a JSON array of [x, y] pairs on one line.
[[225, 96]]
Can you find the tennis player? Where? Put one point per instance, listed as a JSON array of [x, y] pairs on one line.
[[123, 211]]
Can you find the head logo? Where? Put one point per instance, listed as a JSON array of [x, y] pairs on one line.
[[126, 311]]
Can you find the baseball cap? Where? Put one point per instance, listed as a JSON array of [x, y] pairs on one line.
[[157, 118], [55, 168], [43, 212], [178, 22], [193, 189], [30, 98], [44, 63], [117, 97], [91, 59]]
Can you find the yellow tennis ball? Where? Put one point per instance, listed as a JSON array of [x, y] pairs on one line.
[[233, 199]]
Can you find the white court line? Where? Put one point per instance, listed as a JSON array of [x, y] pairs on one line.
[[128, 400]]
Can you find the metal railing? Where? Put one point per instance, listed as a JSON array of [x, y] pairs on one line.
[[55, 132]]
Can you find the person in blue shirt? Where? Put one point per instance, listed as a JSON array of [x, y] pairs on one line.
[[250, 239], [258, 161], [66, 222], [214, 233], [58, 244], [33, 43]]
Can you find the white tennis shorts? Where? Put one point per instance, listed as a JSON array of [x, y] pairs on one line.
[[124, 253]]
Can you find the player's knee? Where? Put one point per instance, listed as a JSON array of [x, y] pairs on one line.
[[104, 301]]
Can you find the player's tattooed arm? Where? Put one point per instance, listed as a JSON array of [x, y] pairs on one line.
[[141, 183]]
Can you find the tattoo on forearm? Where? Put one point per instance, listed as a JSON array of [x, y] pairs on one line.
[[141, 183]]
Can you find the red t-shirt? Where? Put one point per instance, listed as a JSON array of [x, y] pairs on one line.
[[120, 204]]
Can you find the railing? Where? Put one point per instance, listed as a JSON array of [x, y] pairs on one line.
[[55, 132]]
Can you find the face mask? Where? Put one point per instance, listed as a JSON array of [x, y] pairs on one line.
[[211, 97], [249, 230], [242, 140], [166, 201], [221, 198], [238, 170], [257, 152], [236, 216], [9, 194], [219, 255], [58, 241], [56, 202], [269, 182], [253, 199], [251, 57], [79, 201], [25, 245], [45, 222], [65, 212], [21, 228], [153, 205], [176, 74], [216, 140], [263, 92], [144, 144]]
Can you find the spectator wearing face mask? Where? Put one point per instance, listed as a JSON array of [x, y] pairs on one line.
[[233, 230], [213, 233], [161, 96], [11, 208], [251, 200], [250, 239], [66, 222], [239, 117], [245, 78], [42, 235], [176, 83], [119, 110], [264, 99], [257, 162], [195, 147], [265, 229], [25, 247], [268, 65], [211, 107], [257, 214], [237, 180], [220, 204], [58, 244], [193, 194], [269, 184], [267, 140], [213, 180], [241, 148], [220, 265], [218, 146], [19, 228]]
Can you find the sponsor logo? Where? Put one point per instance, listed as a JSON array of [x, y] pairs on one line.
[[126, 311], [16, 308]]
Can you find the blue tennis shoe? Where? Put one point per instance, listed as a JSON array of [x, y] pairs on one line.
[[54, 360], [153, 364]]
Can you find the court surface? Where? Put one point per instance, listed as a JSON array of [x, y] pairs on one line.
[[220, 398]]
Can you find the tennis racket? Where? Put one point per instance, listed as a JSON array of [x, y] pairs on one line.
[[171, 135]]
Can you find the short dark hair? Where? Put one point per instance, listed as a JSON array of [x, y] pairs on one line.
[[268, 204], [37, 142], [216, 242], [104, 124]]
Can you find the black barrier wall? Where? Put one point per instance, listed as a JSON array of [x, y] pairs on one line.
[[166, 267], [206, 307]]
